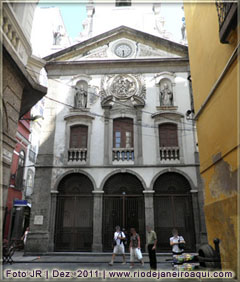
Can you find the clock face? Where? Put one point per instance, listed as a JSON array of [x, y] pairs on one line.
[[123, 50]]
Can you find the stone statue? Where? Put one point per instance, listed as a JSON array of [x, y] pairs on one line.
[[166, 96], [183, 31], [81, 97], [57, 35]]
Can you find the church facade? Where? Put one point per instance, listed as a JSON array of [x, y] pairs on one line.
[[116, 146]]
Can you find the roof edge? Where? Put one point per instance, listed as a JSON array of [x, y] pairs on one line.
[[122, 28]]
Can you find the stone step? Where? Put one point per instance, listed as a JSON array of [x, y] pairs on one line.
[[99, 254]]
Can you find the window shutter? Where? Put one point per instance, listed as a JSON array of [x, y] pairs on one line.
[[168, 136], [79, 136]]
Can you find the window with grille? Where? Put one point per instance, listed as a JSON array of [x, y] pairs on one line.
[[123, 133], [30, 176], [20, 170], [168, 136], [78, 136]]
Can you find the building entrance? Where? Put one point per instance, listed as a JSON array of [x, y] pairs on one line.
[[123, 205], [173, 209], [74, 214]]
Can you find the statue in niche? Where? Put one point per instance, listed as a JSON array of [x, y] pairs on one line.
[[81, 97], [166, 96]]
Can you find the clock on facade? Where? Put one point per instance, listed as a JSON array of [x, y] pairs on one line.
[[123, 50]]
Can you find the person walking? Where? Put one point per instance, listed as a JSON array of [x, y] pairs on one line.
[[175, 241], [118, 248], [135, 249], [25, 235], [151, 245]]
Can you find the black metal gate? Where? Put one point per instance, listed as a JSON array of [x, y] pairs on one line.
[[174, 211], [74, 214], [124, 210], [74, 223]]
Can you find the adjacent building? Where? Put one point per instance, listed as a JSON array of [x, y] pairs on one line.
[[116, 146], [214, 69], [21, 89], [16, 217]]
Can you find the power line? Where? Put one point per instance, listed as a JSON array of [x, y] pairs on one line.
[[117, 102], [102, 116]]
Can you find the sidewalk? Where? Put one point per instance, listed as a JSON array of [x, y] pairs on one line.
[[80, 257]]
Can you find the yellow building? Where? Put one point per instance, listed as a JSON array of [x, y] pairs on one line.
[[212, 32]]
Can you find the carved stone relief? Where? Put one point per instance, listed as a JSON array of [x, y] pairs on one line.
[[123, 86]]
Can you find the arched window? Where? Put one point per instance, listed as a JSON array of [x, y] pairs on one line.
[[21, 162], [168, 135], [30, 178], [78, 136]]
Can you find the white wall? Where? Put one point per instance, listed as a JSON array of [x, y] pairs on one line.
[[45, 22], [64, 93]]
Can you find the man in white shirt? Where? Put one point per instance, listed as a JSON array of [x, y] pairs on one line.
[[119, 248], [175, 241]]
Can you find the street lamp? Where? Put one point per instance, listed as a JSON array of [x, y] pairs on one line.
[[190, 114], [33, 118]]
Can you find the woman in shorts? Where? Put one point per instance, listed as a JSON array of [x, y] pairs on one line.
[[135, 250]]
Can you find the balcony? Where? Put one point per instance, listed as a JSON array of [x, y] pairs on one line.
[[123, 155], [227, 18], [77, 155], [169, 154]]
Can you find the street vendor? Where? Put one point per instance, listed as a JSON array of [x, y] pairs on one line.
[[176, 242]]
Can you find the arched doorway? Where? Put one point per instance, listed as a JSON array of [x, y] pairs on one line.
[[74, 214], [173, 209], [123, 205]]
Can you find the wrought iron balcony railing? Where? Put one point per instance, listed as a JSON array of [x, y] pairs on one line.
[[227, 18]]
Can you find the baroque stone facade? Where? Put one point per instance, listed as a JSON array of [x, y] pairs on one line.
[[110, 162]]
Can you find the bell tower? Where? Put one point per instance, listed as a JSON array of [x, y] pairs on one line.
[[102, 17]]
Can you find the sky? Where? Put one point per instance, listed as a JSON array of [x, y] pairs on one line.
[[74, 14], [173, 14]]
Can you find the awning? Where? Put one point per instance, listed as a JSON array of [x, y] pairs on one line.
[[21, 203]]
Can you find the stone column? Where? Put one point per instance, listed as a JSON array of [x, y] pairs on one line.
[[97, 220], [149, 209], [38, 237], [52, 220], [106, 134], [139, 137], [196, 216]]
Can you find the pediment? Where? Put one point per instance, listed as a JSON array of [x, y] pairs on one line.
[[121, 43]]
